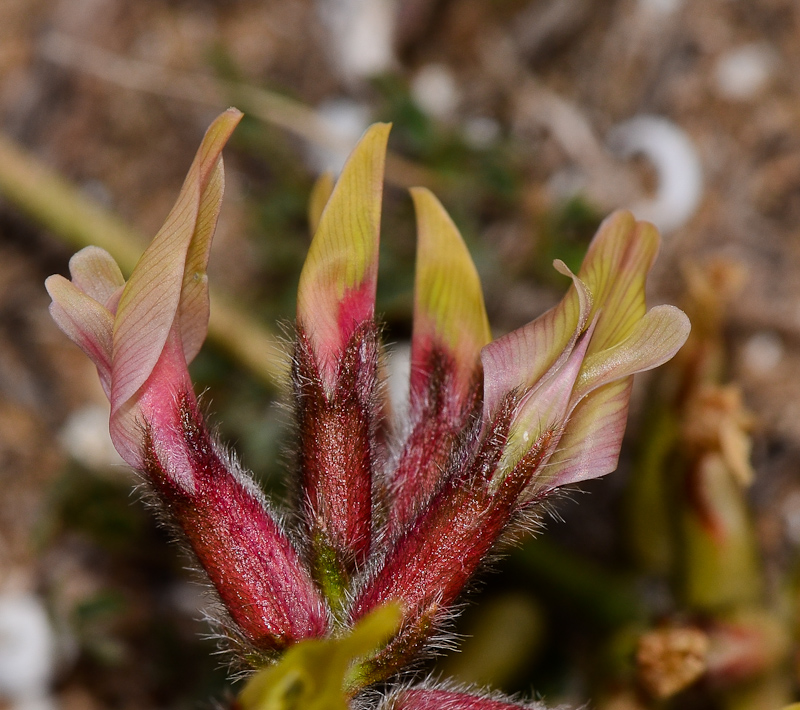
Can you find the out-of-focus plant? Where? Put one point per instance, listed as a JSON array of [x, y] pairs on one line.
[[386, 533], [690, 525]]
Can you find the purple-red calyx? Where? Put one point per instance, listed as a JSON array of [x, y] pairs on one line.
[[444, 699], [492, 427]]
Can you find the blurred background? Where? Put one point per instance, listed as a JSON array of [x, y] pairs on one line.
[[671, 583]]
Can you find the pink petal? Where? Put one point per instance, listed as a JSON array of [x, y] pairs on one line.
[[544, 409], [156, 407], [95, 272], [151, 299], [590, 445], [518, 360], [84, 321]]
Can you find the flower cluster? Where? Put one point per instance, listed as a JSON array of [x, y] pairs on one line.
[[398, 522]]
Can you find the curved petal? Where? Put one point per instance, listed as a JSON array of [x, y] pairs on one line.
[[95, 272], [589, 448], [337, 285], [518, 360], [592, 439], [84, 321], [654, 340], [151, 299], [194, 304], [615, 269], [449, 313]]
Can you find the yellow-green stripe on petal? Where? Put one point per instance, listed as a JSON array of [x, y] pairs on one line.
[[521, 358], [615, 270], [449, 312], [652, 341], [320, 194], [337, 285], [590, 445], [157, 292]]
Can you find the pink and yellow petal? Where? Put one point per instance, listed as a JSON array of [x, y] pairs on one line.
[[151, 299], [595, 426], [337, 285], [590, 445], [615, 270], [449, 313], [652, 341], [544, 409], [519, 359], [194, 303]]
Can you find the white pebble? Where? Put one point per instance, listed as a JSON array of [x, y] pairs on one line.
[[346, 120], [661, 7], [435, 91], [398, 375], [27, 649], [85, 437], [480, 131], [763, 352], [741, 73], [361, 34], [677, 164]]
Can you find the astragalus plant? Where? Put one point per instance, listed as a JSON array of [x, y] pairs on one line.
[[359, 579]]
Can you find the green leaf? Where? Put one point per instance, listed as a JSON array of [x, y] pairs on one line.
[[313, 674]]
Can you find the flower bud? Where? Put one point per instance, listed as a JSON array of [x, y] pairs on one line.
[[141, 335]]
